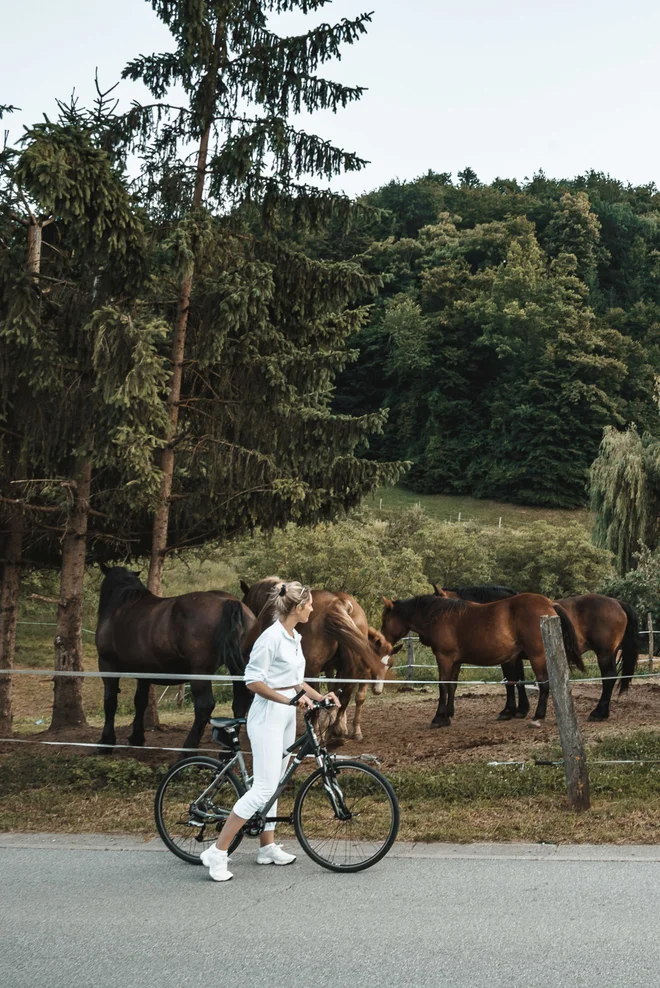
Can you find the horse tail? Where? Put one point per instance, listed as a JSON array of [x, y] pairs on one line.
[[629, 646], [338, 624], [571, 644], [227, 638]]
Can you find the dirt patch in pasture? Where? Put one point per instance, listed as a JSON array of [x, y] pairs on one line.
[[397, 728]]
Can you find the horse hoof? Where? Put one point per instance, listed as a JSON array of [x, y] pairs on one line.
[[357, 737], [506, 715], [535, 723], [105, 747], [521, 714], [595, 715], [441, 723], [136, 742]]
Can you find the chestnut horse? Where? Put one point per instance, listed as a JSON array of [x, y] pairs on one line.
[[385, 653], [334, 641], [194, 633], [460, 631], [603, 625]]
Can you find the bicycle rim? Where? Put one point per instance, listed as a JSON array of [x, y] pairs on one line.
[[363, 839], [180, 813]]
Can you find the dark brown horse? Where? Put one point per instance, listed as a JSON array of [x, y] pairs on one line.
[[603, 625], [460, 631], [192, 634], [334, 641]]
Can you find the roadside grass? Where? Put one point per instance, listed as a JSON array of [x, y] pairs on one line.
[[464, 802], [446, 507]]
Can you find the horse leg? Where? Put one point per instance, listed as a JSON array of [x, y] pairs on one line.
[[339, 728], [607, 666], [110, 693], [360, 697], [523, 700], [451, 690], [510, 673], [241, 700], [204, 702], [141, 701], [540, 669], [445, 666]]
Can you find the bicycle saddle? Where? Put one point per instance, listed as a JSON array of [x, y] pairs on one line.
[[227, 721]]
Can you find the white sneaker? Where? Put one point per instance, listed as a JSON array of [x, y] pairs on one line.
[[216, 861], [273, 854]]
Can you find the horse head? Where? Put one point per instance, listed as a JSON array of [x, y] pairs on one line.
[[385, 652], [393, 624], [119, 586]]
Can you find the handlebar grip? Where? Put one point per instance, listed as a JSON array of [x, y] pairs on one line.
[[294, 699]]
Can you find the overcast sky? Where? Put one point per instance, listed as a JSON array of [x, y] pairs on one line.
[[505, 86]]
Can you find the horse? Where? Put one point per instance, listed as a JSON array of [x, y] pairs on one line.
[[192, 634], [603, 625], [334, 641], [385, 653], [461, 631]]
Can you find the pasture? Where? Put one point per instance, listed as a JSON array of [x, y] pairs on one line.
[[446, 787]]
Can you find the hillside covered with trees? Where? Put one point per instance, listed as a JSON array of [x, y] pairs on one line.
[[515, 322]]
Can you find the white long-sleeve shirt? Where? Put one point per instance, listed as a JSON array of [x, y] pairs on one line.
[[276, 658]]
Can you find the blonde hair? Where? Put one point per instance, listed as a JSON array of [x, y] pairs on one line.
[[285, 597]]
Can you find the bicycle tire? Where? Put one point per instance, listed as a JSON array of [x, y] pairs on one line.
[[196, 838], [301, 825]]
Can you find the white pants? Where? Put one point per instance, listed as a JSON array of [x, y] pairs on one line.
[[271, 729]]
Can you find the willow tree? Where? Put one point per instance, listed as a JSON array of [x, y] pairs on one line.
[[243, 83], [625, 494], [83, 350]]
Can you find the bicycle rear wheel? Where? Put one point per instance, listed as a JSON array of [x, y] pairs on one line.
[[192, 803], [371, 810]]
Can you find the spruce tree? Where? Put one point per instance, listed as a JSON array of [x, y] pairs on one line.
[[242, 83], [83, 352]]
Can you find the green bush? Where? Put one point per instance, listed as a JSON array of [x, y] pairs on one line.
[[641, 586], [350, 555]]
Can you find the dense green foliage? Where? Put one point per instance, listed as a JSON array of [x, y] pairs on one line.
[[517, 322], [369, 557]]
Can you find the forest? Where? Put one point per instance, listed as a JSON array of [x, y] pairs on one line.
[[516, 320]]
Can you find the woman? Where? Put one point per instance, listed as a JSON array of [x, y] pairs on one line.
[[275, 674]]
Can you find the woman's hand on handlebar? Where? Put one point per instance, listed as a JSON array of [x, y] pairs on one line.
[[305, 702], [335, 699]]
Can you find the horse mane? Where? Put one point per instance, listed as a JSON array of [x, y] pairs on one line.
[[482, 594], [120, 586], [429, 606], [257, 596]]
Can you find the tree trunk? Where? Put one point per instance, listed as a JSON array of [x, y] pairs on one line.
[[11, 573], [162, 514], [9, 594], [67, 700]]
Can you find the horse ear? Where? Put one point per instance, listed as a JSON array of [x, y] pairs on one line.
[[439, 592], [244, 587], [104, 569], [389, 604], [136, 572], [396, 649]]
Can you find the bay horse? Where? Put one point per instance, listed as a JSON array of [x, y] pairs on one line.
[[334, 641], [603, 625], [461, 631], [194, 633], [385, 653]]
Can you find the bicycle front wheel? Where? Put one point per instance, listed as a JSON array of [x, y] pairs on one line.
[[192, 803], [363, 830]]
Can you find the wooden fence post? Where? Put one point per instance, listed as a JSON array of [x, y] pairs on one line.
[[410, 651], [575, 763], [649, 620]]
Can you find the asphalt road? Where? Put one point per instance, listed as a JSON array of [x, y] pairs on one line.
[[99, 912]]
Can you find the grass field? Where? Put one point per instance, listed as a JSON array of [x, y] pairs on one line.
[[445, 507]]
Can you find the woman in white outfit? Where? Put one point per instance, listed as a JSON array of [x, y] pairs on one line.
[[275, 674]]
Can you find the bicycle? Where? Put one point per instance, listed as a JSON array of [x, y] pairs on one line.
[[345, 815]]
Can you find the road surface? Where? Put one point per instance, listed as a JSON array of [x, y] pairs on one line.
[[108, 912]]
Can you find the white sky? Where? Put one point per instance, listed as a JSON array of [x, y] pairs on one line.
[[505, 86]]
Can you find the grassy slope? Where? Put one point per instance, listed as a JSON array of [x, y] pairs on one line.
[[445, 507]]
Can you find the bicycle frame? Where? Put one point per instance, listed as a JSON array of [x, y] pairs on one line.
[[307, 744]]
